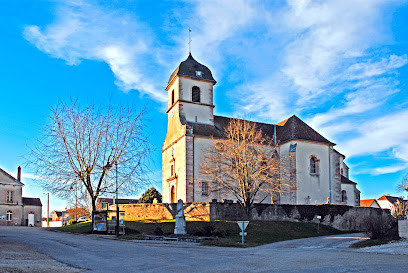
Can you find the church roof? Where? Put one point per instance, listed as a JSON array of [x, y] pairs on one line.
[[189, 67], [345, 180], [292, 128]]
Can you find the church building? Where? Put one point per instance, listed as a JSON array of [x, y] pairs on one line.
[[319, 172]]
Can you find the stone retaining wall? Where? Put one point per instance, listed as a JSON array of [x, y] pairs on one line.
[[341, 217], [403, 228]]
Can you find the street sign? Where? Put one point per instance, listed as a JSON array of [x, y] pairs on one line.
[[242, 225]]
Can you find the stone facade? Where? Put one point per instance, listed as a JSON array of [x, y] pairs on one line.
[[14, 208]]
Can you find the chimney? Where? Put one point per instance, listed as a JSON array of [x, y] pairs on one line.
[[19, 173]]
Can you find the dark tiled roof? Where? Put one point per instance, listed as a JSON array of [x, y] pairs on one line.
[[290, 129], [58, 213], [189, 67], [345, 180], [27, 201], [392, 199], [118, 201]]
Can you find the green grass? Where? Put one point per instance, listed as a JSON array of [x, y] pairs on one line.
[[85, 227], [222, 233]]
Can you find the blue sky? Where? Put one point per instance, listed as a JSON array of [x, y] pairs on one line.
[[339, 65]]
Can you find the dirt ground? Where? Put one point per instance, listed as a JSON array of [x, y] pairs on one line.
[[16, 258]]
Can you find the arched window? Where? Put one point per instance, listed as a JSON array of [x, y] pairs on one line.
[[196, 94], [313, 165], [9, 216], [343, 196]]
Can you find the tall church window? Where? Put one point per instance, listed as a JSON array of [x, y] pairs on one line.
[[204, 188], [172, 97], [196, 94], [313, 165], [343, 196], [9, 216]]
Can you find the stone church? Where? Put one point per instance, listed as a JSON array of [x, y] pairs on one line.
[[319, 172]]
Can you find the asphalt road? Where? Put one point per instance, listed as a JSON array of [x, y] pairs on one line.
[[96, 254]]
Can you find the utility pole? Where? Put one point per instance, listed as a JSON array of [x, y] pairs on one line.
[[48, 209], [76, 201], [117, 206]]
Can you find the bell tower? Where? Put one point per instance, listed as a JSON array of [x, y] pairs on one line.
[[190, 93]]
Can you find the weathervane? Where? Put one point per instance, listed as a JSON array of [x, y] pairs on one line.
[[189, 40]]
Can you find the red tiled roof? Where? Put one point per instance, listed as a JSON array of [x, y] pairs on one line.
[[367, 202]]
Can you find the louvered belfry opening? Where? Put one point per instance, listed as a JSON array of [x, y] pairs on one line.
[[196, 94]]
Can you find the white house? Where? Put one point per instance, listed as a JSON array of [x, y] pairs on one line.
[[319, 171]]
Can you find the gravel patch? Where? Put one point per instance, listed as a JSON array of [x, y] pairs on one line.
[[16, 258]]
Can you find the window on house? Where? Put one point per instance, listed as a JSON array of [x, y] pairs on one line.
[[204, 188], [199, 73], [171, 169], [196, 94], [104, 205], [172, 97], [9, 196], [313, 165], [9, 216], [343, 196]]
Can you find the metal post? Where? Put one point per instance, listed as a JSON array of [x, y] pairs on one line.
[[242, 237], [117, 206], [48, 210]]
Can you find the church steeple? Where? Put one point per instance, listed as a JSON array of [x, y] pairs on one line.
[[190, 91]]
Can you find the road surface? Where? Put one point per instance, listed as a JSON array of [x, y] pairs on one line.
[[90, 253]]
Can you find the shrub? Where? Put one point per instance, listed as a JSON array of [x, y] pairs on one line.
[[377, 228]]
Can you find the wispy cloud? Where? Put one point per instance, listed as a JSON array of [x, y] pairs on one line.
[[84, 31], [382, 134]]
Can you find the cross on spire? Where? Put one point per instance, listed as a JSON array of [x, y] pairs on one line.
[[189, 40]]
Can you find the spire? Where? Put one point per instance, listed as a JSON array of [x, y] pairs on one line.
[[189, 41]]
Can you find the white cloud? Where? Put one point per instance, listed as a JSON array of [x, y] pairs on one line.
[[389, 169], [217, 21], [84, 31], [380, 135]]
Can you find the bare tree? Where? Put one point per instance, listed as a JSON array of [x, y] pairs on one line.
[[90, 147], [403, 186], [245, 164]]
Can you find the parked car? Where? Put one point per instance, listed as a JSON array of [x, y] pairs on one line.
[[82, 219]]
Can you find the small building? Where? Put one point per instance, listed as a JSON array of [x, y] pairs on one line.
[[103, 203], [60, 216], [369, 203], [16, 210], [389, 202]]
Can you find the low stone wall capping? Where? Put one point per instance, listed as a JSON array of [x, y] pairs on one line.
[[341, 217]]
